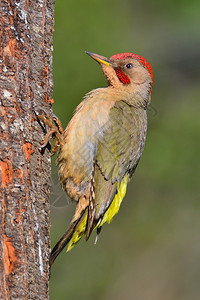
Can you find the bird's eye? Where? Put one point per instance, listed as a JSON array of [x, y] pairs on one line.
[[129, 66]]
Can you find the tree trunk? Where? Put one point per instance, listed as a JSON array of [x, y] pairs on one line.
[[25, 90]]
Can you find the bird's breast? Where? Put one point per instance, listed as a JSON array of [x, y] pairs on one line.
[[80, 141]]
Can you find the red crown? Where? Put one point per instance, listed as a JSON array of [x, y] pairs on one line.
[[139, 58]]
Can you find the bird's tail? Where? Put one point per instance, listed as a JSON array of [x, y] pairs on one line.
[[72, 235]]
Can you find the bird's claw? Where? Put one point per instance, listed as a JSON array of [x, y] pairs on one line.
[[55, 131]]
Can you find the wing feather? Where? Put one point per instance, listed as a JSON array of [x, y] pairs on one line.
[[118, 151]]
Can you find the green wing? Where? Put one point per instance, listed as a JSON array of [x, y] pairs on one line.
[[120, 145]]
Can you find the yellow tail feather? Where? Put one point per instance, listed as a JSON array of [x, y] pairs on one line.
[[108, 216], [79, 232], [115, 205]]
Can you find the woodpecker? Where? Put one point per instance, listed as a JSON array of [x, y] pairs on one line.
[[102, 144]]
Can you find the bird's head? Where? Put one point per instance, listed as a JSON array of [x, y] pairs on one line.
[[126, 71]]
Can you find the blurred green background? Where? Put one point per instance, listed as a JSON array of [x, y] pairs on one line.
[[151, 250]]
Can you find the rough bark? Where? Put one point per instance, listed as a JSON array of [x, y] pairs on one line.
[[25, 89]]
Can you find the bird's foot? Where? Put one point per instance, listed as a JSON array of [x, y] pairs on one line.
[[55, 131]]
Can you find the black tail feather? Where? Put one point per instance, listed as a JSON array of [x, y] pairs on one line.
[[64, 240]]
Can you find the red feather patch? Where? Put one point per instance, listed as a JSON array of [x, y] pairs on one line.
[[139, 58], [122, 77]]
